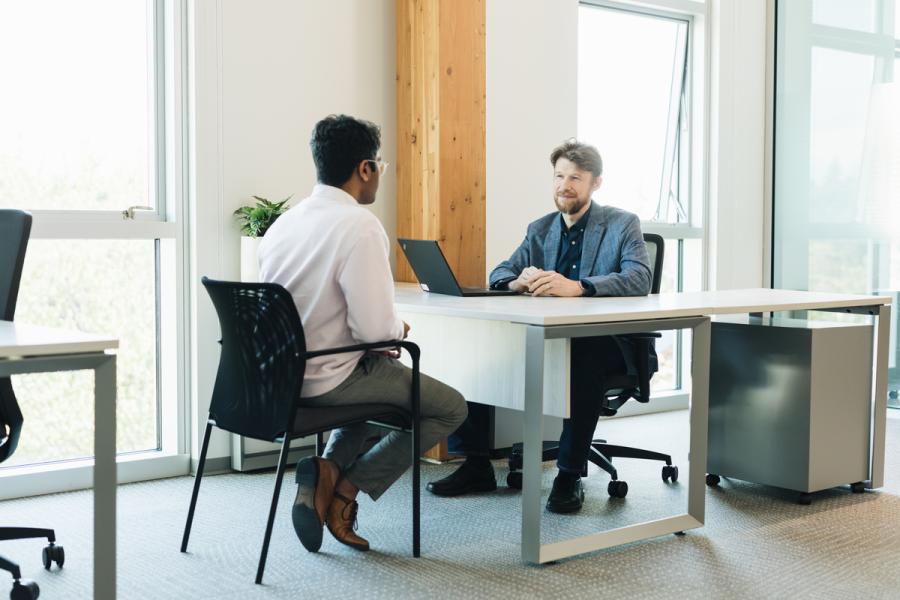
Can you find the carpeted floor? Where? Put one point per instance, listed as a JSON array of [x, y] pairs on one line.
[[757, 541]]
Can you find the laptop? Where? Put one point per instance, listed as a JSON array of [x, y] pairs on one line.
[[433, 272]]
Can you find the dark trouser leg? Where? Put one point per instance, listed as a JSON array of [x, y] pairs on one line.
[[472, 438], [592, 359]]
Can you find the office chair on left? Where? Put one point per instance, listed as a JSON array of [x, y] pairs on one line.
[[15, 227]]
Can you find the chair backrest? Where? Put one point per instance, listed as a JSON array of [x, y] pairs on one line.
[[15, 227], [263, 358], [656, 250]]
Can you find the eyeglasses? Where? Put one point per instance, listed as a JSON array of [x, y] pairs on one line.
[[379, 164]]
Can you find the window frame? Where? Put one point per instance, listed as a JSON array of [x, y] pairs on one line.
[[696, 105], [166, 222]]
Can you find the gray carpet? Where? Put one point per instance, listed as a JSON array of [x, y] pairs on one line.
[[757, 541]]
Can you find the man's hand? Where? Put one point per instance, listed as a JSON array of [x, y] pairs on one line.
[[551, 283], [521, 284], [395, 352]]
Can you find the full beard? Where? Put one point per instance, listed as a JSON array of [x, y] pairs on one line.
[[570, 206]]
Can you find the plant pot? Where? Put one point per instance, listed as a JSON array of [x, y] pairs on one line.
[[249, 265]]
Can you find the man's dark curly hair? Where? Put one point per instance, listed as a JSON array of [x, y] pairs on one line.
[[339, 143]]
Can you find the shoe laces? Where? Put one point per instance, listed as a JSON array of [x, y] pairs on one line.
[[349, 513]]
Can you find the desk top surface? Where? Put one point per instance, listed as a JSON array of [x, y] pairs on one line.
[[18, 339], [567, 311]]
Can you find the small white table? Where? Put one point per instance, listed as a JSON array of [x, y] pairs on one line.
[[513, 352], [30, 349]]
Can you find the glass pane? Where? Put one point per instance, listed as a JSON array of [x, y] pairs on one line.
[[837, 162], [74, 108], [856, 14], [94, 286], [630, 75], [840, 90]]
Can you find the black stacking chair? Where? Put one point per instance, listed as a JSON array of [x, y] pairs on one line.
[[619, 389], [257, 389], [15, 227]]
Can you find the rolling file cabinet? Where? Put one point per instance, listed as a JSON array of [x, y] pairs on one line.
[[789, 402]]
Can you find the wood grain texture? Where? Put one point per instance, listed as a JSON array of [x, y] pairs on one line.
[[441, 131]]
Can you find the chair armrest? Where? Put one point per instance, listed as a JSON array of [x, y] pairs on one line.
[[355, 348], [410, 347], [650, 335]]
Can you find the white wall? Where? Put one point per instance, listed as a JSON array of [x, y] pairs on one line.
[[531, 82], [737, 170], [265, 72]]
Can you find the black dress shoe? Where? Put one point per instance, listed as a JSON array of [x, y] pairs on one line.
[[567, 494], [469, 477]]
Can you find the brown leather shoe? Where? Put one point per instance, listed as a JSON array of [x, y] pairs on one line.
[[316, 478], [341, 522]]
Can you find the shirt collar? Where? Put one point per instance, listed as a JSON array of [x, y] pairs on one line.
[[580, 224], [329, 192]]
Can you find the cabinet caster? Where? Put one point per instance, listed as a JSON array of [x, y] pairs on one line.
[[712, 480], [858, 488], [53, 554], [804, 498], [514, 480], [670, 472], [24, 589], [617, 489], [679, 533]]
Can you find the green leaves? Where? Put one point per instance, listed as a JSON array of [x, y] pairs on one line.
[[255, 220]]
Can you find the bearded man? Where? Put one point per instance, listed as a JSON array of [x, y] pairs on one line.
[[581, 249]]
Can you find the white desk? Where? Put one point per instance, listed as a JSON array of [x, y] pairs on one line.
[[513, 351], [29, 349]]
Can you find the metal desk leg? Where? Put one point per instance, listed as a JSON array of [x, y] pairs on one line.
[[105, 479], [879, 404], [532, 549], [532, 444], [699, 418]]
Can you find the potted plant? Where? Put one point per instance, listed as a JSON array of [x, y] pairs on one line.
[[254, 221]]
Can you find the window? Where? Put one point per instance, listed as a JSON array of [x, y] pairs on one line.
[[635, 103], [85, 131], [837, 151]]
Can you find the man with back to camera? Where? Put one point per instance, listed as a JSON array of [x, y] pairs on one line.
[[582, 249], [332, 256]]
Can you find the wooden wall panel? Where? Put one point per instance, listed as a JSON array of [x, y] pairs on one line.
[[441, 135], [441, 131]]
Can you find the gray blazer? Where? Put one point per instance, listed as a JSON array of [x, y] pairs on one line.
[[613, 257]]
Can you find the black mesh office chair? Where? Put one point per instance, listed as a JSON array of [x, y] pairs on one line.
[[619, 389], [257, 389], [15, 227]]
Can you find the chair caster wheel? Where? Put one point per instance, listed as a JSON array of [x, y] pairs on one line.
[[712, 480], [514, 480], [617, 489], [24, 589], [804, 498], [670, 472], [858, 488], [53, 554]]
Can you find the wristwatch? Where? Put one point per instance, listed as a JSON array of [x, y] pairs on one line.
[[587, 288]]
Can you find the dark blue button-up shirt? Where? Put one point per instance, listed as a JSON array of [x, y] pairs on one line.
[[570, 244]]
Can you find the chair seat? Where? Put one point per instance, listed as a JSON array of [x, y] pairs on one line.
[[311, 420]]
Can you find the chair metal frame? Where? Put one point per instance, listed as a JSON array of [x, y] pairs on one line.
[[290, 432]]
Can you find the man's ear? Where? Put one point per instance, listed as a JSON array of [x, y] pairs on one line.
[[597, 181], [363, 170]]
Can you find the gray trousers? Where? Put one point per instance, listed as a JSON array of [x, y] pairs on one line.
[[383, 380]]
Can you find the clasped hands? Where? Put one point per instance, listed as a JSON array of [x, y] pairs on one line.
[[538, 282], [394, 352]]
